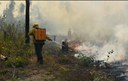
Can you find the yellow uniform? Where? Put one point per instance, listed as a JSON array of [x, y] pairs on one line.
[[31, 33], [39, 40]]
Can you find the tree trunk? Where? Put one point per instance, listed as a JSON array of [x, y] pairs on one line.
[[27, 40]]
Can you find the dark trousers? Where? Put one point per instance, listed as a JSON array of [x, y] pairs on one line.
[[38, 50]]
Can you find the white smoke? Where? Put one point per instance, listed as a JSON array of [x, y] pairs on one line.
[[102, 53], [121, 32], [90, 20], [118, 44]]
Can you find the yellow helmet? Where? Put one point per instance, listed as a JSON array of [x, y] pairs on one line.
[[35, 25]]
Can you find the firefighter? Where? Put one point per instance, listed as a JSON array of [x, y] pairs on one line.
[[39, 38], [65, 47]]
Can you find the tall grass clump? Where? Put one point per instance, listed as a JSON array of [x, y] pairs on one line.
[[12, 45]]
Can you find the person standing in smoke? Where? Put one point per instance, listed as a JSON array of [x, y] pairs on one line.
[[65, 47], [39, 38]]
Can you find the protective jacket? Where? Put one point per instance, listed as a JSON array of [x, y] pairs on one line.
[[32, 33]]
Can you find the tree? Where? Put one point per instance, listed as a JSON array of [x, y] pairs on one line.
[[27, 39]]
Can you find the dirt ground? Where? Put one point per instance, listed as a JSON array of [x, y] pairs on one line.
[[35, 72]]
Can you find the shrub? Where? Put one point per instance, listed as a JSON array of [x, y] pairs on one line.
[[86, 61]]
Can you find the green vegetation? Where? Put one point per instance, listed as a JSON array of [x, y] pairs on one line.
[[86, 61]]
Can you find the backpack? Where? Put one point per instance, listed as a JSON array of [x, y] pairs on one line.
[[40, 34]]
